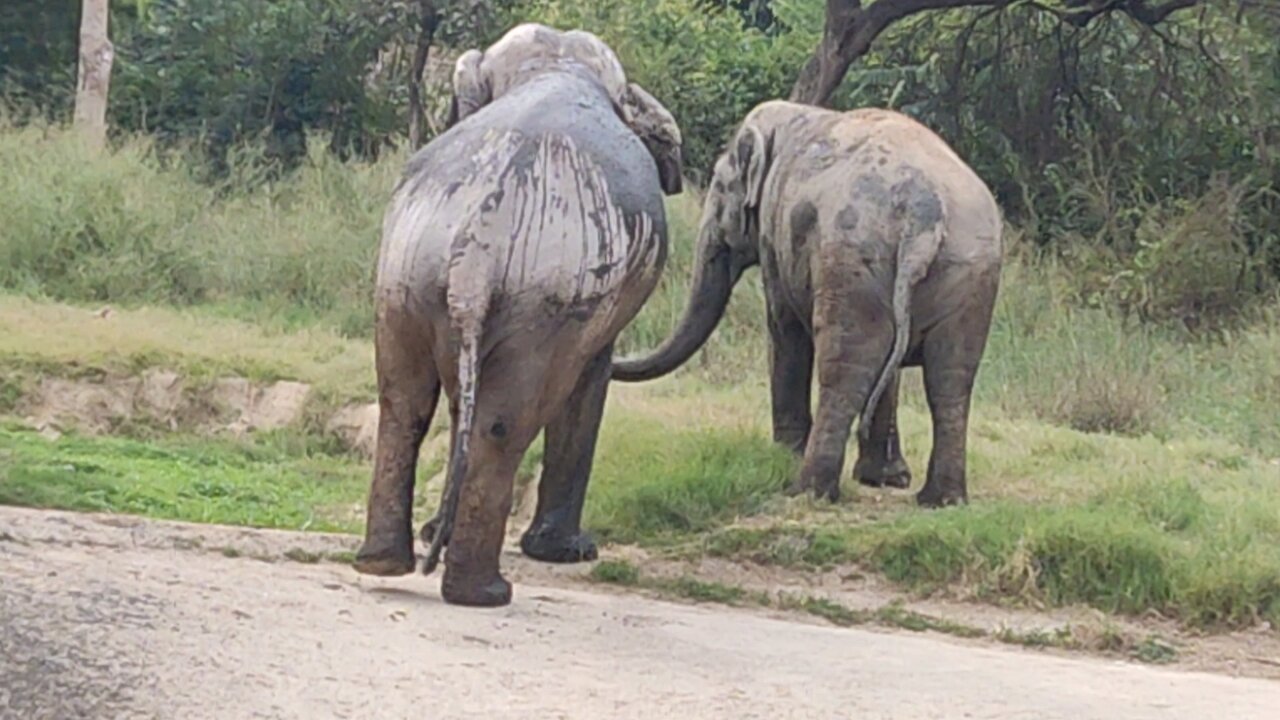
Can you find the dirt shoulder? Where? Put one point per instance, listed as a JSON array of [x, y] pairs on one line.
[[123, 617]]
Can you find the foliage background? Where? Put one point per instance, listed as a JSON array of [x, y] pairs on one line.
[[1146, 158]]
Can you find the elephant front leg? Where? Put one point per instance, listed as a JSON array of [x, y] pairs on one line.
[[555, 535], [790, 374], [880, 461]]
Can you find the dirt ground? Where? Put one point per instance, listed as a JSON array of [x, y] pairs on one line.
[[115, 617]]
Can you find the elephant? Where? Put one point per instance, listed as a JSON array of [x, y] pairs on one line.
[[517, 245], [879, 248]]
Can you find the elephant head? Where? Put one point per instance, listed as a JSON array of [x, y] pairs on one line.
[[531, 49], [728, 242]]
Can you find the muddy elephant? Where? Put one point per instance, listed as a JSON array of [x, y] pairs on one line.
[[879, 248], [517, 245]]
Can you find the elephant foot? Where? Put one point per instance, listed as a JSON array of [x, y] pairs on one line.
[[934, 496], [549, 546], [384, 561], [820, 489], [473, 591], [883, 475]]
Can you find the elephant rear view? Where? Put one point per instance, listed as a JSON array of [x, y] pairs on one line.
[[516, 247], [879, 248]]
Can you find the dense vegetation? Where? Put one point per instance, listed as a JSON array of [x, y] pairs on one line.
[[1148, 154]]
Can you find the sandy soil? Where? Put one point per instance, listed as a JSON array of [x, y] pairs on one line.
[[108, 617]]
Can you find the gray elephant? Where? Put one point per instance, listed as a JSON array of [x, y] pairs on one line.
[[516, 247], [879, 248]]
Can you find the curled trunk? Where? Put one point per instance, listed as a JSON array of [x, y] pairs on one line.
[[712, 283]]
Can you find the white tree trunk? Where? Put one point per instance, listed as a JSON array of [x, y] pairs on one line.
[[96, 54]]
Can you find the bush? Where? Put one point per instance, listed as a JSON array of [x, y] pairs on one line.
[[1190, 263]]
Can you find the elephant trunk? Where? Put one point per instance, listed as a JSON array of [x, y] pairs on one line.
[[717, 272]]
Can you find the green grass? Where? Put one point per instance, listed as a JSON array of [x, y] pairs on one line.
[[182, 479], [650, 482], [130, 226], [1213, 566], [615, 572]]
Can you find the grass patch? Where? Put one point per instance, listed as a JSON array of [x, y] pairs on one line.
[[652, 482], [615, 572], [1109, 556], [341, 557], [1155, 651], [622, 572], [181, 479], [127, 227], [40, 338], [692, 588], [305, 557]]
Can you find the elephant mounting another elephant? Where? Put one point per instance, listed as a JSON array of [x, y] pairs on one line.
[[879, 248], [516, 247]]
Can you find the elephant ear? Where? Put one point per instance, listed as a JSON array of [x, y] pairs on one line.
[[471, 88], [752, 151], [657, 129]]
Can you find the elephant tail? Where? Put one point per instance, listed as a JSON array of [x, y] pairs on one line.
[[916, 252], [468, 301]]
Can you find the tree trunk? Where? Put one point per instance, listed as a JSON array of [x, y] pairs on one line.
[[826, 69], [94, 81], [428, 22]]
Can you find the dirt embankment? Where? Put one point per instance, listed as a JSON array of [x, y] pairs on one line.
[[103, 403]]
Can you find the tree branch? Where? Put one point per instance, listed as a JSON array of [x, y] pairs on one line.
[[1081, 12], [851, 28]]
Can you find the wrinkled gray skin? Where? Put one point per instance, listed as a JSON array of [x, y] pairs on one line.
[[516, 247], [879, 248]]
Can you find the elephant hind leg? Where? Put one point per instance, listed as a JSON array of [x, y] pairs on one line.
[[949, 387], [472, 576], [408, 390], [952, 352], [880, 462], [509, 413], [854, 332], [555, 535]]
